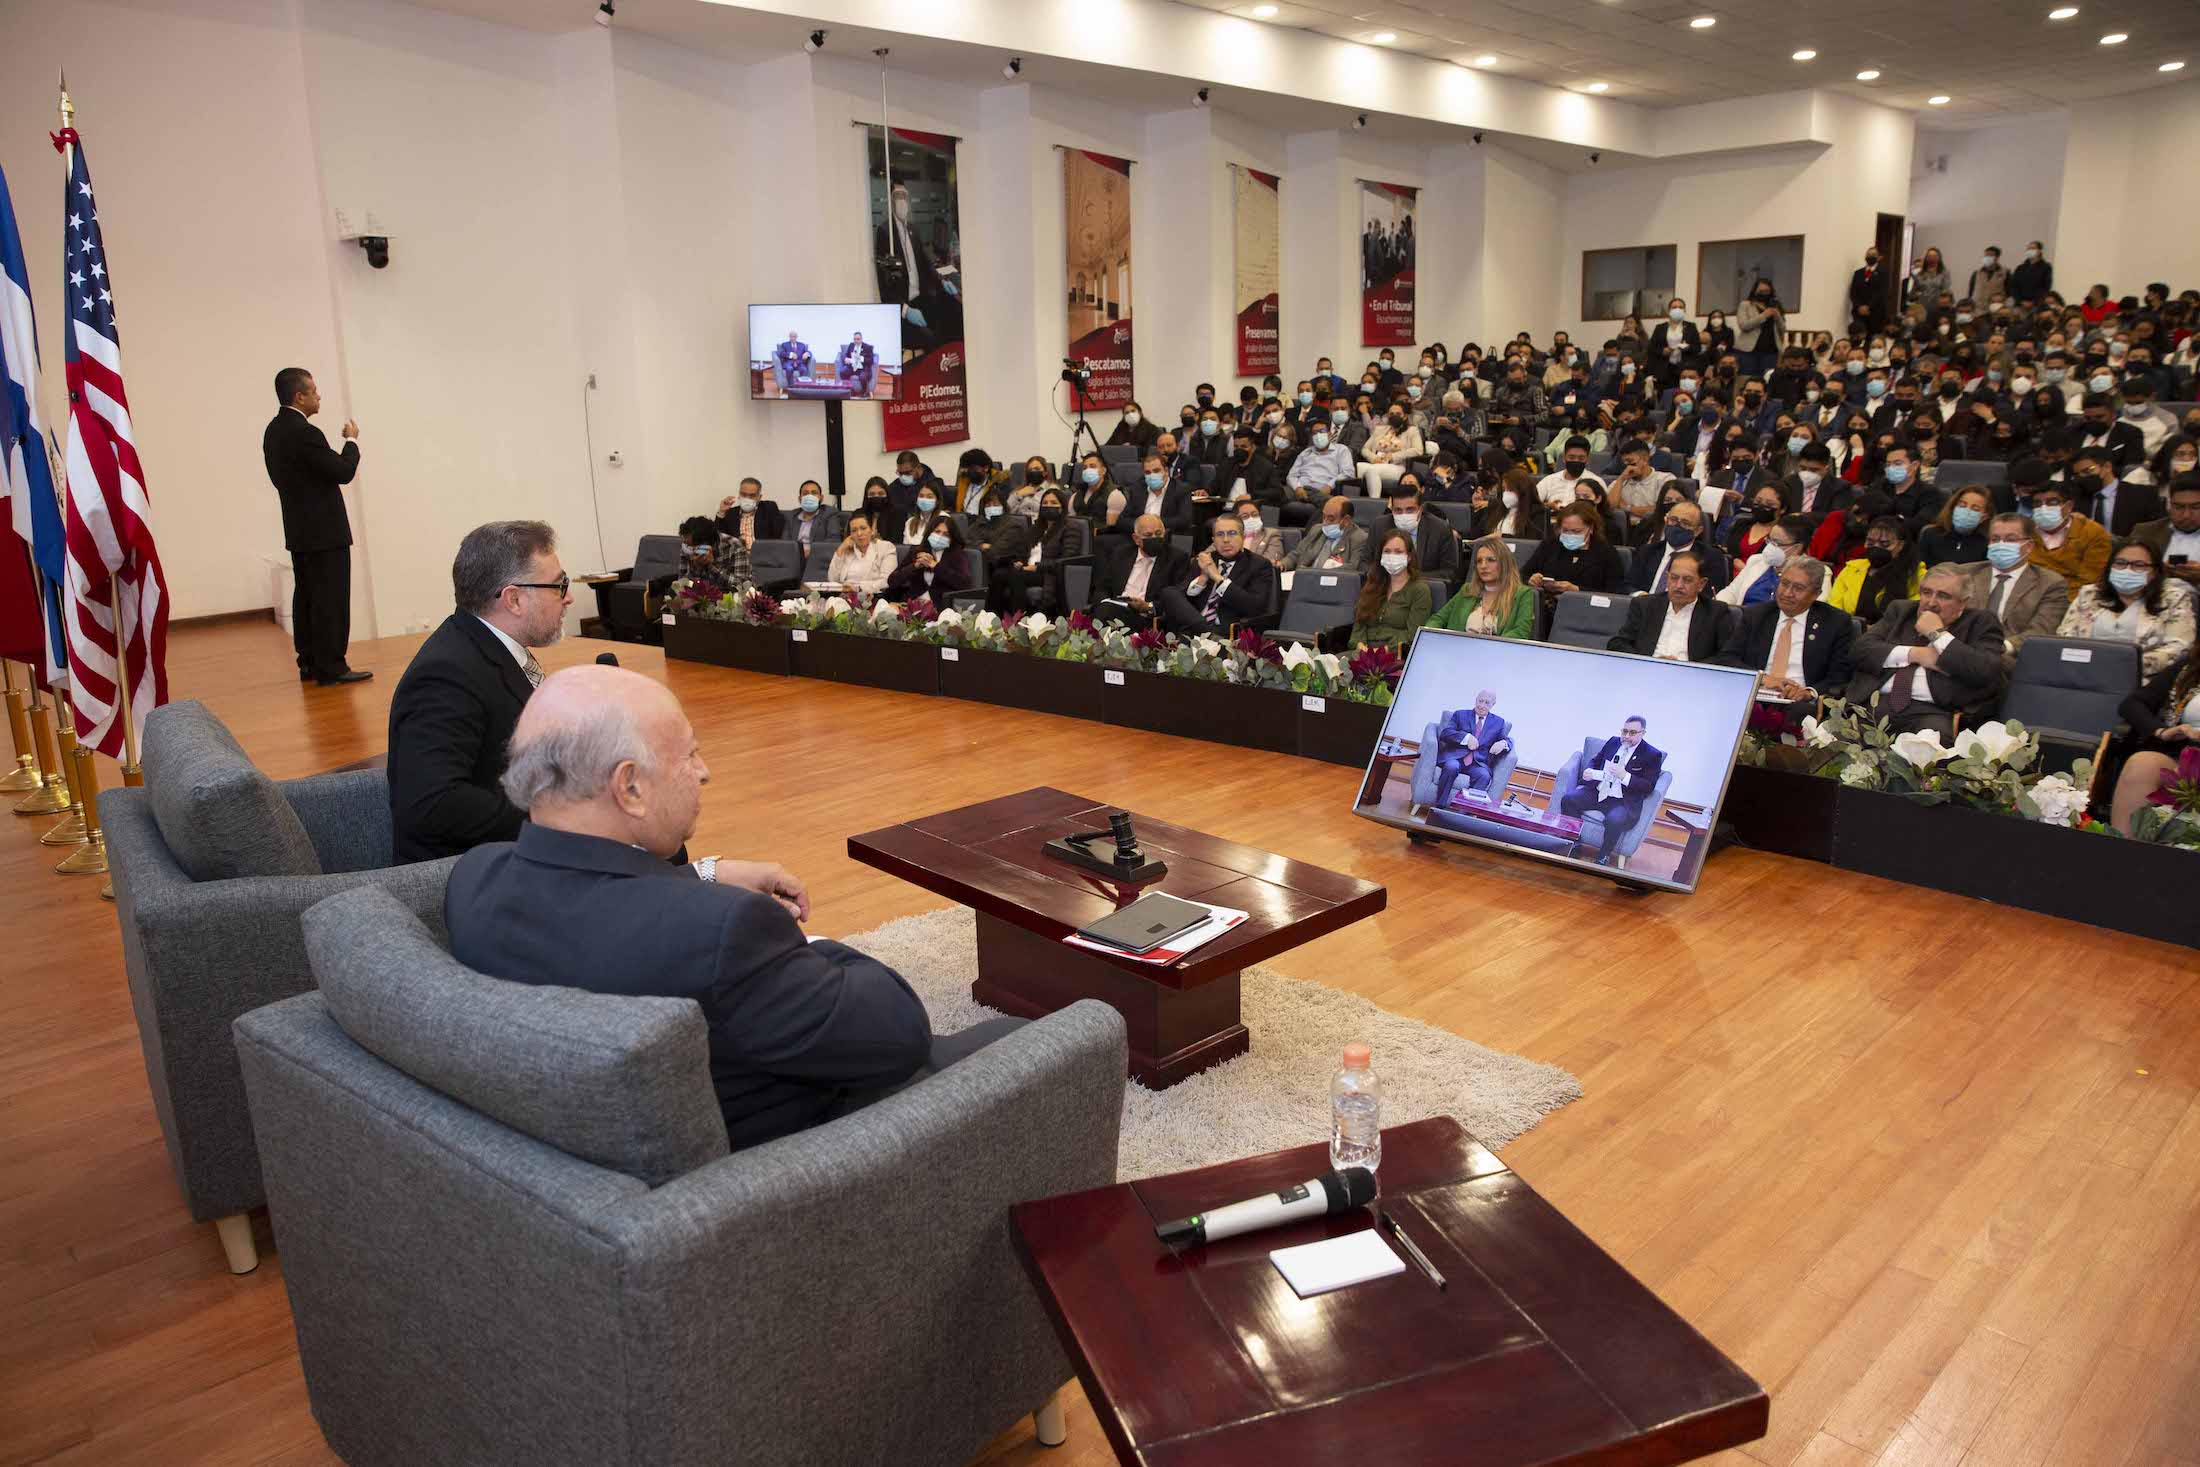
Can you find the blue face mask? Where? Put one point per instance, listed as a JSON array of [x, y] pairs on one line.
[[1678, 536], [1154, 481], [1305, 398], [2005, 554], [2048, 516], [1797, 445], [1685, 408], [1334, 532], [938, 542], [905, 478], [1875, 389], [1321, 440], [1572, 539], [1898, 473], [1091, 477], [927, 503], [992, 511], [809, 502], [1965, 518], [1210, 426], [2129, 580]]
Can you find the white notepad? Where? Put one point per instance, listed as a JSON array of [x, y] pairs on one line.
[[1316, 1268]]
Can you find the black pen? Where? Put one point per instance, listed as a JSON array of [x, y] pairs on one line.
[[1413, 1250]]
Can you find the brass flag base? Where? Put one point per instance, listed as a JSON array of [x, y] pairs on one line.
[[52, 796], [22, 779], [69, 831], [91, 858], [51, 799]]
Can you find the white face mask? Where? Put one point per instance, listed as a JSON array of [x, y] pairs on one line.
[[1811, 478], [1408, 522], [1131, 419], [1251, 523], [1775, 554], [1394, 562], [901, 210], [1512, 500]]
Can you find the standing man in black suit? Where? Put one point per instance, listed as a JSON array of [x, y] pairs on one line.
[[309, 477], [1868, 297], [457, 703], [606, 767], [1614, 786]]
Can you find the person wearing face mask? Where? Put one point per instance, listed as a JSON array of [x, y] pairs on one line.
[[1262, 537], [1562, 485], [878, 503], [1435, 544], [1337, 543], [1683, 528], [748, 516], [1321, 468], [1887, 571], [1511, 509], [1576, 556], [1676, 345], [1957, 535], [1024, 567], [1099, 500], [1915, 501], [1755, 519], [1811, 485], [912, 479], [2034, 276], [1929, 281], [1162, 494], [2115, 506], [1251, 474], [1131, 580], [1134, 430], [2026, 600], [1989, 279], [2134, 602], [937, 569], [1395, 600], [1785, 541], [2153, 423], [1868, 296], [1388, 450], [1730, 490], [812, 520], [996, 534], [1023, 498]]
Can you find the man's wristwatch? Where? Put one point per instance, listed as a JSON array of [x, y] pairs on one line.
[[707, 868]]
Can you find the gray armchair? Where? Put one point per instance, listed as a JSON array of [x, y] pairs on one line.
[[1425, 772], [213, 865], [1592, 825], [512, 1233]]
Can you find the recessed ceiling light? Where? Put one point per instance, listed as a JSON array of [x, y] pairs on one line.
[[2062, 12], [1384, 38], [1806, 54], [1264, 12], [1703, 22], [1940, 101], [2171, 66], [1598, 87], [2115, 38], [1867, 76], [1485, 61]]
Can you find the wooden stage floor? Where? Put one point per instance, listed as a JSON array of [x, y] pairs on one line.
[[1928, 1168]]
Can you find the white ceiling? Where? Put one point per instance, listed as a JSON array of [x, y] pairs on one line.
[[1990, 57]]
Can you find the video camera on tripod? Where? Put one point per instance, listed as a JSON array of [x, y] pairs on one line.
[[1076, 373]]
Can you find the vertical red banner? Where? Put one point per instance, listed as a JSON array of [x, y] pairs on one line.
[[1096, 195], [916, 229], [1387, 250], [1259, 268]]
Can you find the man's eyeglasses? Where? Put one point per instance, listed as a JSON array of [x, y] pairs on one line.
[[561, 585]]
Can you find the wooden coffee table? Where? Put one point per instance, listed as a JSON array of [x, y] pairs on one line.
[[1542, 822], [1183, 1017], [1541, 1350]]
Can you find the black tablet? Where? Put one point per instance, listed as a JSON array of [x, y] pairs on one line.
[[1146, 924]]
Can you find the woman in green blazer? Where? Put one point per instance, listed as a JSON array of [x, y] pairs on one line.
[[1394, 600], [1494, 602]]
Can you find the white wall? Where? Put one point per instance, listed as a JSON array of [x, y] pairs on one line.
[[2002, 186], [2129, 214]]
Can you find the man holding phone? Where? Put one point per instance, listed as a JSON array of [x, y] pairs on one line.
[[2175, 539]]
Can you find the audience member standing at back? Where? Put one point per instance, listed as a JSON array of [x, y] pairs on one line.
[[309, 477]]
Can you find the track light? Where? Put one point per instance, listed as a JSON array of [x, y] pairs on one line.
[[1199, 98], [815, 43], [605, 12], [1014, 69]]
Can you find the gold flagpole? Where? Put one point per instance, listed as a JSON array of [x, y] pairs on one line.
[[24, 777]]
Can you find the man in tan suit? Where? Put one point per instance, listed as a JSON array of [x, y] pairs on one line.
[[2027, 600]]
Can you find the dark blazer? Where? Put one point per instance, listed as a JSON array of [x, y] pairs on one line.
[[1643, 769], [1758, 477], [1829, 637], [1435, 547], [2148, 710], [1253, 590], [1171, 568], [1141, 437], [1196, 447], [1642, 569], [308, 476], [771, 521], [1663, 366], [1260, 476], [1969, 677], [2136, 504], [1176, 504], [1458, 727], [1707, 627], [2125, 444], [450, 720], [796, 1027], [1834, 492], [951, 575]]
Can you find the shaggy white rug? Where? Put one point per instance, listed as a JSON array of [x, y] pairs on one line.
[[1277, 1095]]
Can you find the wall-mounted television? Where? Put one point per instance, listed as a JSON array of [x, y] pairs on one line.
[[815, 353], [1537, 748]]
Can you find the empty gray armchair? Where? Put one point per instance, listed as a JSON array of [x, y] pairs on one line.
[[213, 865], [628, 606], [512, 1233]]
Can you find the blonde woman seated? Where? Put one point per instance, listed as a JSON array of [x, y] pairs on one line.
[[1394, 443], [1495, 601], [863, 561], [2134, 602], [1394, 602]]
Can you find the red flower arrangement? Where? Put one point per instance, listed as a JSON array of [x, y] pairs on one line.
[[1253, 644], [1370, 663], [2180, 789], [1079, 622]]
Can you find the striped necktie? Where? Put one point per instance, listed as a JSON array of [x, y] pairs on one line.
[[533, 670]]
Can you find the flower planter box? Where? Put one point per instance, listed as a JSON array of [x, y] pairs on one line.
[[1786, 813], [868, 662], [1251, 718], [2122, 885], [1343, 732], [728, 644], [1016, 680]]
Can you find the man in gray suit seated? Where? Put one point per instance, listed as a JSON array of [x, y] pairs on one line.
[[608, 771]]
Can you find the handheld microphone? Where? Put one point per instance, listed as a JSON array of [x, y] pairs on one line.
[[1338, 1191], [607, 659]]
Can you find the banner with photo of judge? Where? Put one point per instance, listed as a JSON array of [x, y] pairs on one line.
[[916, 234], [1096, 190], [1259, 268], [1386, 263]]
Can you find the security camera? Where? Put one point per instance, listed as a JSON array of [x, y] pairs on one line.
[[1596, 157], [815, 43], [606, 12], [1478, 139], [1199, 98], [1359, 121], [1014, 69], [377, 247]]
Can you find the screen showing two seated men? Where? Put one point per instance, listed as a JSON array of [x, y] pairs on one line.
[[1610, 761], [814, 352]]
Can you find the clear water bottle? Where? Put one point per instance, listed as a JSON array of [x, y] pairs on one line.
[[1355, 1113]]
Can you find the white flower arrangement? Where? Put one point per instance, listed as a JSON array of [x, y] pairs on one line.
[[2058, 801], [948, 619], [1923, 750]]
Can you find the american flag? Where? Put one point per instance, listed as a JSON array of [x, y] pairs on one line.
[[111, 556]]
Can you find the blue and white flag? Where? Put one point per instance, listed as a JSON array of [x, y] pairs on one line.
[[31, 511]]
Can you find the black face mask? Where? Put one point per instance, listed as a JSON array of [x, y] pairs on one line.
[[1190, 420], [1154, 545], [1763, 514], [1206, 399], [1049, 515], [1577, 466], [1878, 555]]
